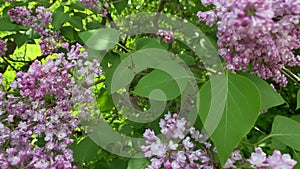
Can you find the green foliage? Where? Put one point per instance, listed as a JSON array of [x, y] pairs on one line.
[[86, 150], [7, 25], [235, 99], [240, 111], [297, 157], [144, 43], [269, 97], [109, 64], [59, 17], [76, 21], [68, 32], [286, 131], [120, 5], [188, 59], [298, 99], [138, 163], [101, 39], [157, 80]]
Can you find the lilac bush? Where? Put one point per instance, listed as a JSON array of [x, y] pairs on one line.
[[256, 34], [41, 108], [180, 149], [36, 118], [39, 22]]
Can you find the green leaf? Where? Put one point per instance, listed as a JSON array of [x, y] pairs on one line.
[[188, 59], [229, 107], [44, 2], [269, 97], [59, 17], [101, 39], [296, 117], [86, 150], [138, 163], [297, 157], [20, 39], [77, 6], [298, 100], [143, 43], [105, 101], [275, 144], [286, 131], [157, 79], [6, 24], [76, 21], [32, 34], [109, 64], [118, 163], [81, 15], [120, 5], [68, 32], [93, 25]]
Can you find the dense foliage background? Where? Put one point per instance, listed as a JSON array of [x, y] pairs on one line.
[[41, 45]]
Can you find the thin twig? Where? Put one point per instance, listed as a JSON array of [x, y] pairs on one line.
[[21, 61], [25, 52], [9, 64], [160, 8]]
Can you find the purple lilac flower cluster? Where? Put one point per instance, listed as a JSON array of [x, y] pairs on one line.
[[39, 22], [177, 150], [166, 35], [36, 122], [3, 47], [260, 160], [260, 33], [94, 4]]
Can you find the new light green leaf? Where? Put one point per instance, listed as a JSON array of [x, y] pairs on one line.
[[287, 131], [229, 107], [269, 97], [100, 39]]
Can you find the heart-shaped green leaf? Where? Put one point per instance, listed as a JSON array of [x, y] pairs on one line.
[[229, 107]]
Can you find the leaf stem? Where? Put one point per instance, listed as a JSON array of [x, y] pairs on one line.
[[262, 140]]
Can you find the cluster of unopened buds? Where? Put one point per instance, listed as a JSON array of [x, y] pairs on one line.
[[166, 35], [39, 22], [258, 35]]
